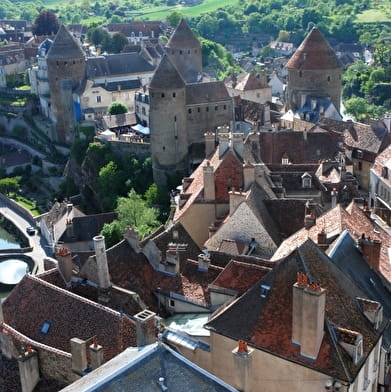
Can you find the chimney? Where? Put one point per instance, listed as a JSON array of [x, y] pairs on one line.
[[186, 181], [131, 236], [203, 262], [96, 354], [309, 220], [172, 259], [371, 251], [242, 356], [223, 136], [308, 311], [209, 182], [235, 198], [101, 262], [65, 264], [248, 175], [210, 143], [28, 369], [322, 239], [145, 327], [79, 355], [69, 228], [237, 143], [334, 196]]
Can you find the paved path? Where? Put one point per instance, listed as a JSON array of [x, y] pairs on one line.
[[37, 242]]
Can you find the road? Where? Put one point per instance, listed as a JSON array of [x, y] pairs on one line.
[[37, 242]]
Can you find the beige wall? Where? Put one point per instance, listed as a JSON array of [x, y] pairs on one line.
[[363, 174], [261, 95]]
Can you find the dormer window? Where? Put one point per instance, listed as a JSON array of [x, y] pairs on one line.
[[352, 343], [306, 180], [285, 159], [358, 350], [384, 172]]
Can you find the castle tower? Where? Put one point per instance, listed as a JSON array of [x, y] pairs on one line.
[[313, 70], [167, 121], [66, 66], [184, 51]]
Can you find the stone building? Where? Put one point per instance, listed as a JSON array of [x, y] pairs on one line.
[[66, 67], [182, 108], [315, 71]]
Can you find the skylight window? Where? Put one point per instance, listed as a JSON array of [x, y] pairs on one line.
[[46, 327]]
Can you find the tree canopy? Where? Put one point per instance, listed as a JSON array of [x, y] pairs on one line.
[[46, 23], [117, 108]]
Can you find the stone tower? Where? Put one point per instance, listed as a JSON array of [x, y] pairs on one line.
[[66, 66], [184, 51], [313, 70], [167, 120]]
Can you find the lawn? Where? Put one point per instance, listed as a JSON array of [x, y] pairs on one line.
[[380, 13], [26, 203]]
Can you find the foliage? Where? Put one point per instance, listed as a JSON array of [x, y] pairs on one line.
[[132, 211], [15, 80], [46, 23], [117, 108], [9, 184], [174, 18], [360, 108]]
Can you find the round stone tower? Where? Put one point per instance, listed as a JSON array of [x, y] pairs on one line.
[[167, 122], [184, 51], [66, 67], [313, 70]]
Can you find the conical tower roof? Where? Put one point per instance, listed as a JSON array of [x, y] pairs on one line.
[[182, 37], [64, 46], [167, 76], [314, 53]]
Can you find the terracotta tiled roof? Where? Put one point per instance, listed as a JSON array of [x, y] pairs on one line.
[[240, 276], [166, 76], [183, 37], [383, 160], [65, 46], [120, 120], [233, 247], [35, 301], [314, 53], [333, 223], [266, 323], [365, 137]]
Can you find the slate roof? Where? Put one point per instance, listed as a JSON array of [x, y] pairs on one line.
[[146, 27], [134, 84], [65, 46], [35, 301], [265, 323], [140, 370], [334, 222], [183, 37], [348, 258], [208, 92], [166, 76], [117, 64], [314, 53]]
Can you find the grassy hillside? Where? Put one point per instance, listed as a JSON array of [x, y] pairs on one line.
[[380, 12]]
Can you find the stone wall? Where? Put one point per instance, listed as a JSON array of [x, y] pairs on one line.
[[140, 150]]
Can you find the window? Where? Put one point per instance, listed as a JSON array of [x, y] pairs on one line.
[[258, 95], [225, 107], [98, 99], [143, 111], [180, 52], [384, 172], [189, 51], [189, 111], [162, 95], [328, 78], [306, 182], [300, 74], [172, 303], [126, 95], [216, 107], [207, 109], [198, 110], [359, 166], [174, 94]]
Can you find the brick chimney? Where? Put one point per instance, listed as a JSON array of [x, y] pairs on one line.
[[101, 262], [322, 238], [248, 175], [371, 251], [308, 311], [172, 259], [79, 355], [235, 198], [210, 143], [209, 182]]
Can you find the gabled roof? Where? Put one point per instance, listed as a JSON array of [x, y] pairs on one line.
[[314, 53], [265, 321], [35, 301], [248, 81], [208, 92], [119, 120], [117, 64], [366, 137], [382, 165], [141, 369], [183, 37], [167, 76], [65, 46]]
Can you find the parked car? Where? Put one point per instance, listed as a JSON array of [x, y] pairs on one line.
[[30, 230]]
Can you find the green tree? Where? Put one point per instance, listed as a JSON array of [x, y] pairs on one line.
[[174, 18], [356, 106], [118, 42], [112, 233], [108, 185], [9, 184], [117, 108], [46, 23]]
